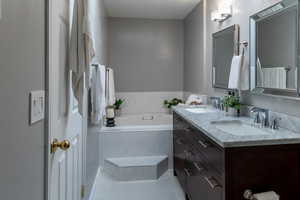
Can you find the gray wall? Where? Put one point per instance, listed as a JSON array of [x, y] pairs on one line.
[[21, 70], [193, 50], [99, 30], [241, 11], [147, 55]]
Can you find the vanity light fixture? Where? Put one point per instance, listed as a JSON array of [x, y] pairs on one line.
[[223, 13]]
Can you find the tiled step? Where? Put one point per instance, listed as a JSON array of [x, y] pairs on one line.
[[136, 168]]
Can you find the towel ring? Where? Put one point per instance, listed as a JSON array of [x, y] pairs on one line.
[[244, 43], [248, 194]]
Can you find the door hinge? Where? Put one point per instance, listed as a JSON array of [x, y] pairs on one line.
[[82, 192]]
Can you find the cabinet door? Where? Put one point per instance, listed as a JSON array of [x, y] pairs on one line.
[[213, 155]]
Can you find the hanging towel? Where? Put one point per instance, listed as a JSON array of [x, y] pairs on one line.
[[235, 72], [239, 73], [89, 42], [80, 50], [260, 79], [244, 84], [274, 77], [111, 93], [98, 101]]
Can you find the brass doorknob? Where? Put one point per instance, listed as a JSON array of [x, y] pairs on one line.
[[64, 145]]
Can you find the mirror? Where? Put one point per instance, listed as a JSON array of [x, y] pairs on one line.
[[225, 46], [274, 49]]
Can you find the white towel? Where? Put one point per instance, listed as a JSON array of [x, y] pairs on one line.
[[235, 72], [98, 100], [111, 93], [239, 73], [244, 74], [259, 74], [89, 44], [81, 50], [274, 77], [194, 98]]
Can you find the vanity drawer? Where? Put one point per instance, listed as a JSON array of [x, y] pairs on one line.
[[206, 185], [204, 188], [213, 155], [194, 164]]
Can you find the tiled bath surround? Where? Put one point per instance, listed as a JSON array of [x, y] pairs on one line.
[[146, 102]]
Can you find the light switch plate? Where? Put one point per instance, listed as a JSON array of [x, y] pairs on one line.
[[37, 106]]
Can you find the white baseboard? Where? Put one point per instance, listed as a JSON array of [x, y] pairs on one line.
[[93, 190]]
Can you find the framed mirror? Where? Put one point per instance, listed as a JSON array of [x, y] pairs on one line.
[[225, 46], [274, 42]]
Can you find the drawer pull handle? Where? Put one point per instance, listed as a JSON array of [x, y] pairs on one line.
[[179, 141], [187, 172], [187, 152], [203, 144], [212, 182], [198, 167], [187, 129]]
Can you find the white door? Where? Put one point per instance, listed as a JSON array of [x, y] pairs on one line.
[[65, 123]]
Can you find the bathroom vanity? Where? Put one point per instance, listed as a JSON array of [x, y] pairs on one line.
[[213, 164]]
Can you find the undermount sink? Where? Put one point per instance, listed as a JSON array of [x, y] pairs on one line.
[[200, 110], [238, 128]]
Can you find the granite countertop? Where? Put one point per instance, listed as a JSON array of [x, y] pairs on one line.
[[226, 140]]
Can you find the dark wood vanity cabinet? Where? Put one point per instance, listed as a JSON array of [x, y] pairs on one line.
[[206, 171]]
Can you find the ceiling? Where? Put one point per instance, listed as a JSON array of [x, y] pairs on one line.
[[150, 9]]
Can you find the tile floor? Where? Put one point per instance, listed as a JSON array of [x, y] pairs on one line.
[[166, 188]]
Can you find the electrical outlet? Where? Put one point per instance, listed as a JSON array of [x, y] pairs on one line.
[[37, 106]]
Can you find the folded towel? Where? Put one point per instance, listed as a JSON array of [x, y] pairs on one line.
[[98, 101], [235, 72], [111, 93], [194, 99]]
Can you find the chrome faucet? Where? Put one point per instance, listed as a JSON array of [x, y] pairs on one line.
[[275, 123], [261, 116], [216, 102]]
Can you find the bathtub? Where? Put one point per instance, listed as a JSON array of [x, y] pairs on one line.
[[138, 136]]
